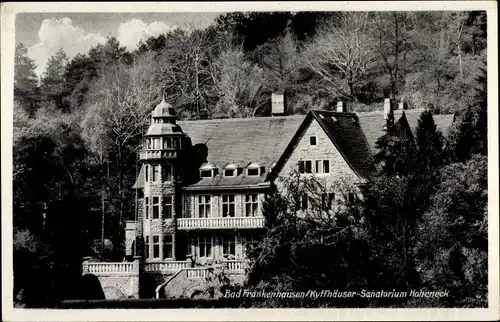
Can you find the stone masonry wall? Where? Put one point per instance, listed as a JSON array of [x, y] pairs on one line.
[[340, 171]]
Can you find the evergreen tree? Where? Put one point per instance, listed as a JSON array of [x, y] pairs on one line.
[[53, 85], [429, 142], [396, 150], [25, 80], [469, 134]]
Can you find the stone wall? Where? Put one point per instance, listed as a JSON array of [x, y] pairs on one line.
[[340, 171]]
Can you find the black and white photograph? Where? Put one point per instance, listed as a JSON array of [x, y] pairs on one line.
[[236, 157]]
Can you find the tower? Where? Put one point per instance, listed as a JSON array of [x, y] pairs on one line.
[[162, 157]]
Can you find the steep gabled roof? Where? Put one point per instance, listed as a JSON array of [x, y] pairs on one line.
[[344, 131]]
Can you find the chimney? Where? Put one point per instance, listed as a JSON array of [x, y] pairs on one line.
[[402, 106], [341, 107], [278, 104], [388, 108]]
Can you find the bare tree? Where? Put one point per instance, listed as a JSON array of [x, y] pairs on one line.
[[238, 84], [341, 53], [118, 109], [390, 30]]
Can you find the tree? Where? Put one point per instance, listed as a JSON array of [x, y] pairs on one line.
[[429, 142], [453, 235], [53, 85], [118, 108], [395, 149], [25, 80], [238, 83], [341, 53], [321, 247], [390, 33], [469, 133]]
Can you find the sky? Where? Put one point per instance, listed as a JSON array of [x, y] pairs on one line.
[[45, 33]]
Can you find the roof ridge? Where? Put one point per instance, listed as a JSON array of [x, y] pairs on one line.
[[253, 118]]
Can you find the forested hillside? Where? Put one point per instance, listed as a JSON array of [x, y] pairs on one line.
[[77, 126]]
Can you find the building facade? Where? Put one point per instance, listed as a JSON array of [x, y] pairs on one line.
[[202, 184]]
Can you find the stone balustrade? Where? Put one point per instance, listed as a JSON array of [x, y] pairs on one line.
[[167, 266], [197, 272], [220, 223], [236, 266], [111, 268]]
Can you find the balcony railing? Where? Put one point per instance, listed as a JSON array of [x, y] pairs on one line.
[[156, 154], [236, 266], [220, 223], [110, 268], [169, 266]]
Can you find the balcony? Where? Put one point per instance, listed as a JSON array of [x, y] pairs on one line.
[[220, 223], [166, 266]]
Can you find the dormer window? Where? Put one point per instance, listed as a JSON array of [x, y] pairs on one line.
[[208, 170], [254, 169], [231, 170]]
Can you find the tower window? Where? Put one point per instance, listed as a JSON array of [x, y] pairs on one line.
[[155, 172], [167, 172], [146, 207], [146, 172], [167, 143], [156, 246], [156, 207], [168, 246], [156, 144], [312, 140], [168, 207], [146, 246]]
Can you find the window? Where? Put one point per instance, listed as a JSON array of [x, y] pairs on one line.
[[167, 172], [308, 166], [312, 140], [322, 166], [251, 205], [156, 207], [156, 246], [176, 142], [327, 200], [146, 247], [204, 206], [168, 246], [251, 242], [167, 143], [149, 143], [229, 173], [206, 173], [156, 169], [253, 172], [205, 246], [146, 207], [326, 166], [168, 207], [229, 245], [227, 205], [156, 144], [304, 203], [305, 166], [146, 172]]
